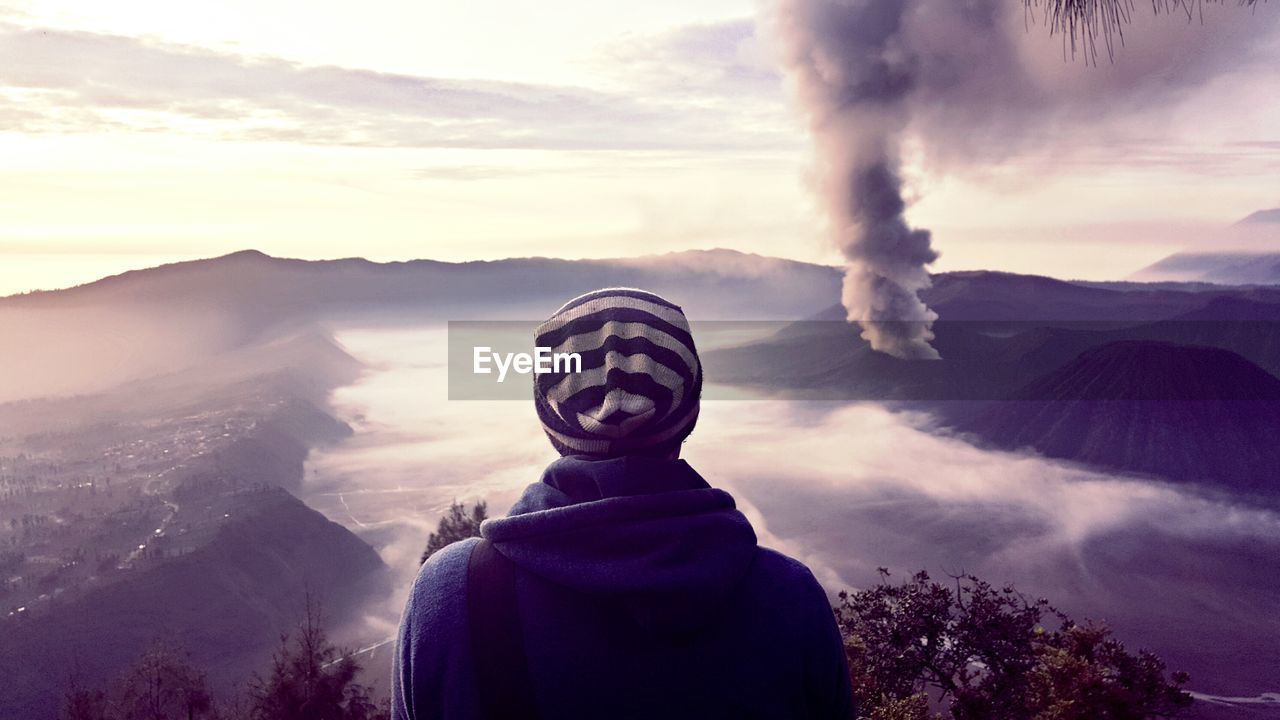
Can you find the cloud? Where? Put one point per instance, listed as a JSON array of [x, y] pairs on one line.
[[851, 488], [1229, 160], [847, 489], [456, 173], [1268, 145], [725, 59], [81, 81]]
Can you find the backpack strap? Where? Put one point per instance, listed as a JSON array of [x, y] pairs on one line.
[[497, 640]]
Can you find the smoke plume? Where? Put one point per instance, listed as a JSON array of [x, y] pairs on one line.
[[854, 76], [968, 82]]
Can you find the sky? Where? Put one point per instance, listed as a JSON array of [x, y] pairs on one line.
[[135, 133]]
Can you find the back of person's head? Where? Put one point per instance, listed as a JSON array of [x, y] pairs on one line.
[[640, 383]]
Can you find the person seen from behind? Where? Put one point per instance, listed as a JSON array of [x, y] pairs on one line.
[[621, 584]]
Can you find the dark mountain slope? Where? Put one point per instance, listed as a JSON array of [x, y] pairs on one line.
[[1184, 413], [984, 295], [226, 602]]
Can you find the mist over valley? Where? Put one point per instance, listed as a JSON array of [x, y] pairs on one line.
[[308, 446]]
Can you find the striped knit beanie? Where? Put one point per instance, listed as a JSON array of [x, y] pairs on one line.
[[640, 381]]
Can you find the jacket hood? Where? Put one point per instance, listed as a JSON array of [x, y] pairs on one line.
[[647, 533]]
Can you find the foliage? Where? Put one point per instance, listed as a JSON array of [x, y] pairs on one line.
[[85, 704], [982, 653], [912, 707], [161, 685], [457, 524], [311, 679]]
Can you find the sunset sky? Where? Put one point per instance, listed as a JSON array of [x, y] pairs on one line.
[[134, 133]]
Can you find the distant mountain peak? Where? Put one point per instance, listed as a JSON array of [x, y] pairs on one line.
[[1222, 268], [1262, 216], [249, 254], [1181, 412], [1003, 276]]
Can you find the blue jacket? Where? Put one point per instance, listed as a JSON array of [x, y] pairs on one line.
[[642, 594]]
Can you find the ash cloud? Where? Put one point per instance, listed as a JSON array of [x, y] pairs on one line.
[[969, 84], [854, 80]]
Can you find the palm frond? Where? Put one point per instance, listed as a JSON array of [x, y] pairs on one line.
[[1087, 24]]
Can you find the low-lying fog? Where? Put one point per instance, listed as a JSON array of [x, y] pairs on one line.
[[848, 488]]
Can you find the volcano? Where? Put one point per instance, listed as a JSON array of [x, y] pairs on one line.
[[1186, 413]]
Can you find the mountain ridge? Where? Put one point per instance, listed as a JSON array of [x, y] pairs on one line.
[[253, 258], [1269, 215], [1222, 268], [1184, 413]]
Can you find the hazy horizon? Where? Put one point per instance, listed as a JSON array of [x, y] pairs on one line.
[[36, 271], [134, 137]]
